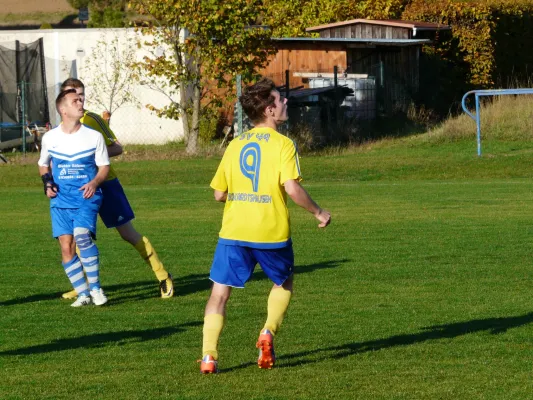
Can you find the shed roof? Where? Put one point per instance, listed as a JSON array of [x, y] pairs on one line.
[[357, 41], [299, 93], [428, 26]]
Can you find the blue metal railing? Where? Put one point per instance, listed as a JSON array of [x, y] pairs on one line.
[[478, 94]]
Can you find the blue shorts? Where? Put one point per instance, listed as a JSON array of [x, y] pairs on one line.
[[234, 265], [64, 220], [115, 209]]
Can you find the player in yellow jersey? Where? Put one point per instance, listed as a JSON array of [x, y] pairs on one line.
[[257, 172], [115, 210]]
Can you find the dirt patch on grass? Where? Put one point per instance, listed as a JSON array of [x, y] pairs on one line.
[[31, 6]]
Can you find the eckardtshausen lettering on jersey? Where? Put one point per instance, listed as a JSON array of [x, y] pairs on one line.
[[250, 198]]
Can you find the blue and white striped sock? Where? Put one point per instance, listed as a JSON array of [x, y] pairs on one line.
[[91, 266], [90, 257], [74, 271]]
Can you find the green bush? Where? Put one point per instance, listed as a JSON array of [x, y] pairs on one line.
[[208, 128], [79, 3], [107, 18]]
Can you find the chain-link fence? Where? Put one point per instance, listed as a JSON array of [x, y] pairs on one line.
[[23, 93], [133, 125], [23, 116]]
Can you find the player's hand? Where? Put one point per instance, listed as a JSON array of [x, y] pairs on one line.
[[324, 217], [88, 190], [51, 192]]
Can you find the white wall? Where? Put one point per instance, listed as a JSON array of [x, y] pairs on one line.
[[65, 52]]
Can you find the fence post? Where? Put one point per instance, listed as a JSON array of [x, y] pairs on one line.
[[287, 86], [23, 112], [287, 94], [337, 101], [478, 127], [239, 106]]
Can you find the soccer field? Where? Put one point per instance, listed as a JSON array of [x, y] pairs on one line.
[[421, 288]]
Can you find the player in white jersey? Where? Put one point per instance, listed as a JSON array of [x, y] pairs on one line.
[[73, 164]]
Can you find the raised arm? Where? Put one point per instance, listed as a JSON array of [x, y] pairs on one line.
[[96, 122]]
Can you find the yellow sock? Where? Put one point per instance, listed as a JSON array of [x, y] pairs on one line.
[[213, 324], [278, 302], [147, 252]]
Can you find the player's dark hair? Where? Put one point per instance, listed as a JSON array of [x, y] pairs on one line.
[[73, 83], [256, 98], [61, 96]]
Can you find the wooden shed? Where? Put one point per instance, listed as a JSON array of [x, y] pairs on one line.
[[385, 51], [378, 29]]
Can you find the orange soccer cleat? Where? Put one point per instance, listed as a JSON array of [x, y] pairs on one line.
[[208, 365], [265, 344]]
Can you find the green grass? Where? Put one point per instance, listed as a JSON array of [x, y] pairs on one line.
[[34, 18], [420, 288], [53, 18]]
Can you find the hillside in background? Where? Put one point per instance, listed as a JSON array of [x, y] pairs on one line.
[[33, 13], [33, 6]]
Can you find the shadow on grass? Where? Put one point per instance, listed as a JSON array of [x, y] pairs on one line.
[[135, 291], [183, 286], [68, 22], [493, 326], [127, 288], [31, 299], [100, 340], [200, 282], [436, 332]]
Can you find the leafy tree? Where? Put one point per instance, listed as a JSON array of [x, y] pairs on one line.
[[104, 13], [199, 48], [291, 18], [110, 73]]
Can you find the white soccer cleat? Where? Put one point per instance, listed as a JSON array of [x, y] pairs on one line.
[[81, 301], [98, 296]]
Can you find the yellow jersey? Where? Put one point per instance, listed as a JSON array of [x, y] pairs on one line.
[[253, 170], [96, 122]]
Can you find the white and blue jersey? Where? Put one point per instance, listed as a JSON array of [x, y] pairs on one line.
[[74, 159]]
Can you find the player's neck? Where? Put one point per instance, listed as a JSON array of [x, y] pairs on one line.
[[70, 126], [268, 123]]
